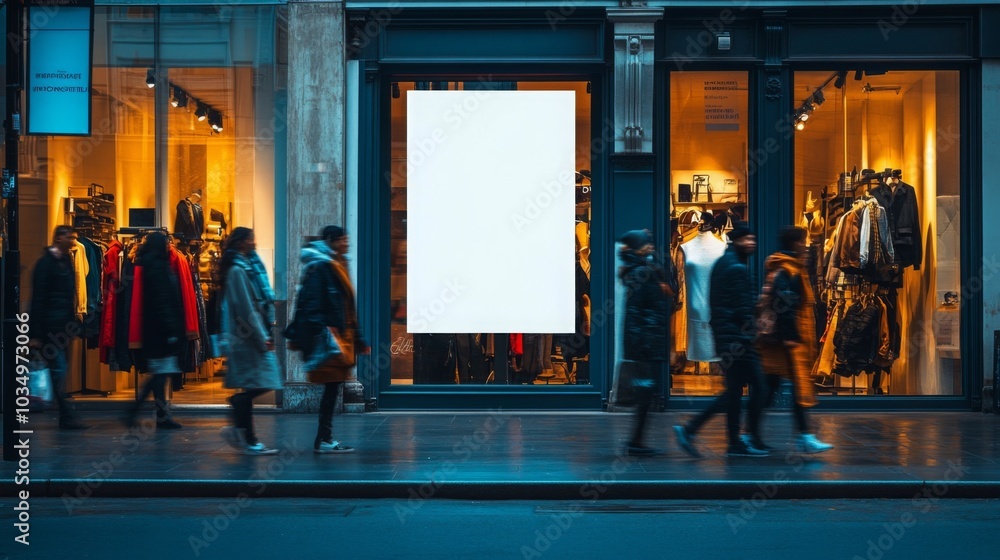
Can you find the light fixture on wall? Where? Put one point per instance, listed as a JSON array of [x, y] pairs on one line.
[[201, 111], [150, 78]]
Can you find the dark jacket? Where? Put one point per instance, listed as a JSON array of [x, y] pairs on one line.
[[53, 297], [162, 313], [733, 302], [320, 302], [904, 222], [646, 311], [787, 291]]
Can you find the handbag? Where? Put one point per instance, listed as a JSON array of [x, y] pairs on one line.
[[347, 356], [39, 384]]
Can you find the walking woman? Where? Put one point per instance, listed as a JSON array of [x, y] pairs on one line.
[[328, 318], [162, 331], [247, 319], [647, 310]]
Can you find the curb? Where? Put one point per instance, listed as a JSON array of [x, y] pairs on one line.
[[79, 489]]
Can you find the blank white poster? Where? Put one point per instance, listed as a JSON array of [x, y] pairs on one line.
[[490, 211]]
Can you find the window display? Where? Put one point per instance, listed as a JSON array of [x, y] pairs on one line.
[[877, 179], [490, 358], [708, 187], [183, 141]]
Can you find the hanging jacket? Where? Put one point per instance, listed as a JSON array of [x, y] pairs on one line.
[[110, 291], [857, 338], [904, 221]]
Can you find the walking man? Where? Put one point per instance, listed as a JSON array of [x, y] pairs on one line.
[[53, 316], [732, 300]]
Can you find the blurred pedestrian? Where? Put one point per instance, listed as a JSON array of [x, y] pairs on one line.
[[248, 342], [732, 299], [330, 337], [52, 317], [647, 311], [163, 336], [787, 337]]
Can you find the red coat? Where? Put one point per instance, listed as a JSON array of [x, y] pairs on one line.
[[110, 289], [180, 267]]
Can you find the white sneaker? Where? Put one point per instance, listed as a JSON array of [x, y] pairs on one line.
[[234, 437], [259, 449], [807, 443], [333, 447]]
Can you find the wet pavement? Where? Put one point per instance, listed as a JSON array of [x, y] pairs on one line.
[[513, 455]]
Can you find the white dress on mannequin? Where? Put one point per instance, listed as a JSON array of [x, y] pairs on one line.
[[700, 255]]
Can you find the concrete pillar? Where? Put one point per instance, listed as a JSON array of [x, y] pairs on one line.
[[316, 160], [991, 226], [633, 163]]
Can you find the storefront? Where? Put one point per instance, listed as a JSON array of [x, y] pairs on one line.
[[769, 116], [188, 137], [287, 117]]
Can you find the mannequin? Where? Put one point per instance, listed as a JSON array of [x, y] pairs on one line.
[[190, 221], [812, 221], [699, 256]]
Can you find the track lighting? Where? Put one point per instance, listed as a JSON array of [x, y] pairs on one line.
[[150, 78], [179, 99], [841, 79], [201, 112], [215, 120], [800, 125]]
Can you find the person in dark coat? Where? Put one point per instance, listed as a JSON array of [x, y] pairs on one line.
[[163, 336], [645, 335], [52, 319], [732, 299], [327, 311]]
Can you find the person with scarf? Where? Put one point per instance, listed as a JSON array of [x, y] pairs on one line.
[[330, 337], [647, 310], [247, 319], [787, 337]]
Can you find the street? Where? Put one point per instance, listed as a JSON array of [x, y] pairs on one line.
[[316, 528]]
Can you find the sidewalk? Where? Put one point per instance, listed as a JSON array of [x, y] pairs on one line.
[[513, 455]]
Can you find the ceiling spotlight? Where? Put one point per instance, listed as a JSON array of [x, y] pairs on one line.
[[180, 99], [804, 117], [150, 78], [800, 125], [215, 121], [201, 112], [818, 98], [841, 79]]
